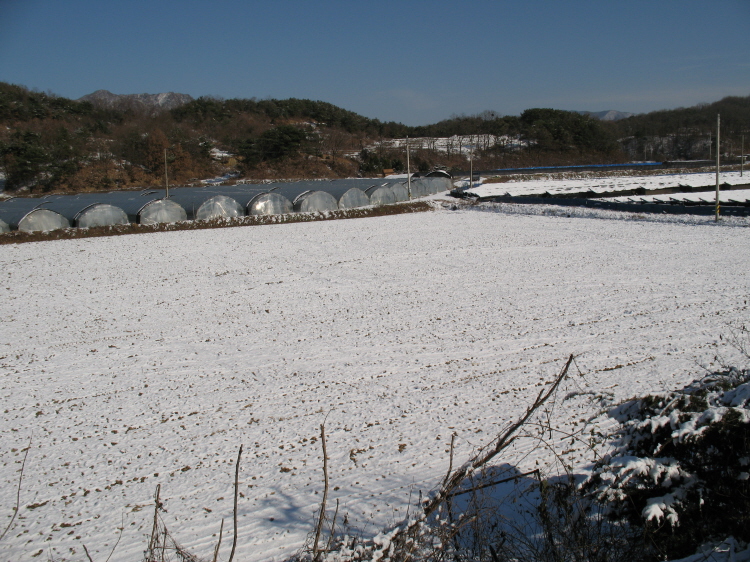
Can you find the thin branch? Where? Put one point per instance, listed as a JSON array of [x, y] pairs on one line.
[[86, 550], [500, 443], [18, 491], [408, 505], [164, 544], [490, 484], [316, 552], [333, 527], [448, 504], [236, 490], [122, 528], [450, 465], [153, 542], [218, 545], [486, 454]]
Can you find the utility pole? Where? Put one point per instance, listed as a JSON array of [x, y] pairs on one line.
[[718, 152], [742, 156], [166, 176], [408, 169]]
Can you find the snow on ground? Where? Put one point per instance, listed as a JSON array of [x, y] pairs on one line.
[[148, 359], [606, 184]]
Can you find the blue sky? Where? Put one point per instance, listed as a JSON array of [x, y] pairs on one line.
[[416, 62]]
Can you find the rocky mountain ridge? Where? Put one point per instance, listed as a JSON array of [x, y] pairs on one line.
[[168, 100], [607, 115]]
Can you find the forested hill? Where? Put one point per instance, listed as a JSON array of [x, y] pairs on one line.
[[734, 111], [204, 110], [687, 133], [50, 143], [53, 143]]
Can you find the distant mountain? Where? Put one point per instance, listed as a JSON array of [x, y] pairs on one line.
[[609, 115], [169, 100]]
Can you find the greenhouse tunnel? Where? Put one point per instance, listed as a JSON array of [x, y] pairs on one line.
[[152, 206], [439, 174], [380, 194], [419, 188], [347, 195], [146, 207], [85, 210], [434, 185], [24, 214], [396, 185], [306, 200], [256, 200], [400, 191], [439, 181], [203, 204]]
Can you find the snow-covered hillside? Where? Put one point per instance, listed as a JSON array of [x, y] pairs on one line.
[[148, 359]]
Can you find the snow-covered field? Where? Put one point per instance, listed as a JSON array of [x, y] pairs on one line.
[[705, 196], [148, 359], [608, 184]]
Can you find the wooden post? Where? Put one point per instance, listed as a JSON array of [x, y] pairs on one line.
[[166, 177], [718, 153], [471, 163], [408, 169]]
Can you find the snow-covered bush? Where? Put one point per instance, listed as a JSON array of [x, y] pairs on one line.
[[681, 465]]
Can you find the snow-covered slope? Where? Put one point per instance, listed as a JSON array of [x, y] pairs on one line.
[[148, 359]]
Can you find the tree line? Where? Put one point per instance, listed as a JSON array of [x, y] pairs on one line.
[[50, 143], [688, 132]]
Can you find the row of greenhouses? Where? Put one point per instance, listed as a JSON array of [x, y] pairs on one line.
[[154, 206]]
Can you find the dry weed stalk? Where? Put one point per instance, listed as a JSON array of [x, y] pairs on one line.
[[161, 541], [319, 527], [236, 490], [18, 491], [218, 544], [401, 537], [499, 444]]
